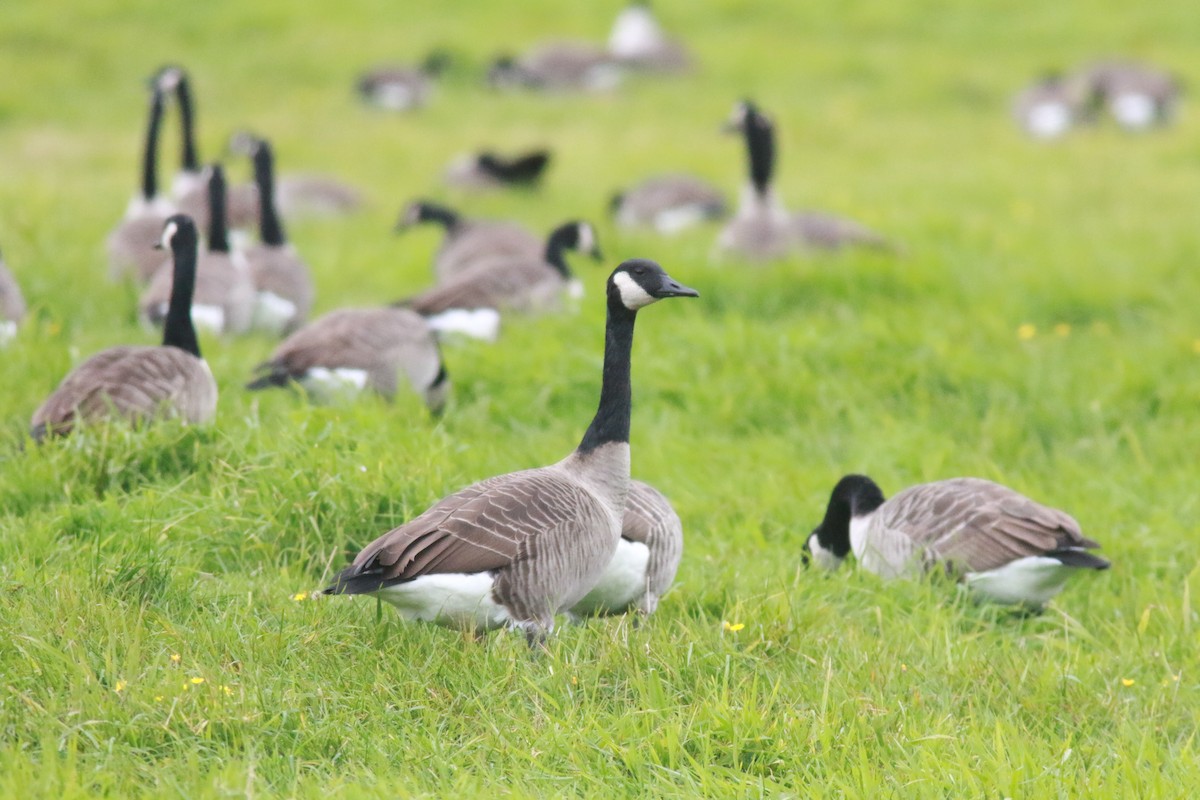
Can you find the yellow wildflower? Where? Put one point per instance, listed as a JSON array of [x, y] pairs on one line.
[[176, 658], [197, 680], [733, 627], [1026, 331], [120, 687], [298, 596], [226, 690], [158, 698], [1127, 681]]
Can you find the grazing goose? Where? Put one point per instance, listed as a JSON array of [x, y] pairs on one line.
[[1048, 108], [762, 228], [141, 383], [646, 559], [517, 549], [190, 185], [487, 170], [285, 289], [668, 203], [131, 246], [302, 195], [467, 242], [556, 67], [351, 349], [224, 296], [401, 88], [1139, 97], [12, 304], [470, 302], [1003, 546], [638, 41]]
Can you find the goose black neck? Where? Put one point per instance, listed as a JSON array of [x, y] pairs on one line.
[[189, 161], [556, 250], [611, 423], [854, 496], [218, 228], [150, 153], [270, 228], [760, 149], [432, 212], [178, 330]]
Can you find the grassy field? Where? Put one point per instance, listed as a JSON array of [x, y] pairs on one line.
[[156, 632]]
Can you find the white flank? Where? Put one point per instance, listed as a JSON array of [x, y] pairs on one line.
[[210, 318], [272, 313], [478, 323], [329, 385], [633, 296], [8, 329], [1133, 110], [457, 600], [677, 219], [575, 289], [634, 33], [603, 78], [623, 582], [821, 556], [587, 238], [185, 182], [1048, 120], [395, 96], [139, 206], [1029, 581]]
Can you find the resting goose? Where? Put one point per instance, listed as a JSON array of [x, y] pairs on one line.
[[470, 302], [762, 228], [281, 279], [556, 67], [142, 383], [638, 41], [1048, 108], [12, 304], [667, 203], [489, 170], [302, 195], [401, 88], [131, 245], [352, 349], [224, 295], [468, 242], [1001, 545], [1138, 96], [647, 557], [517, 549]]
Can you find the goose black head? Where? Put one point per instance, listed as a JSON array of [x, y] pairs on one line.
[[760, 141], [505, 73], [829, 543], [437, 61], [179, 232], [638, 282], [168, 77], [419, 211], [243, 143]]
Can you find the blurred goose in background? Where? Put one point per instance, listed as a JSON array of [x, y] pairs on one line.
[[396, 87], [1002, 546], [489, 170], [190, 184], [280, 276], [646, 560], [1138, 96], [12, 304], [131, 245], [468, 242], [141, 383], [762, 228], [471, 302], [224, 297], [517, 549], [638, 41], [668, 203], [352, 349], [302, 195], [1050, 107], [558, 66]]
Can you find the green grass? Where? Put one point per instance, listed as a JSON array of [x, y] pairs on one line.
[[135, 564]]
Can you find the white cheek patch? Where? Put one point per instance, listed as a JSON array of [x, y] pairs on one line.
[[169, 234], [633, 296], [587, 238], [822, 557]]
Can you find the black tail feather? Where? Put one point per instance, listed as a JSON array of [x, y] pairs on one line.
[[1075, 557]]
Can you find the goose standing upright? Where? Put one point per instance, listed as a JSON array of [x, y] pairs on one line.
[[280, 276], [1001, 545], [224, 295], [141, 383], [468, 242], [762, 228], [471, 302], [12, 304], [131, 244], [647, 557], [517, 549]]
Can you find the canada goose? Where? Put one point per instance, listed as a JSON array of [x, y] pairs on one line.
[[140, 383], [762, 228], [488, 170], [351, 349], [224, 296], [557, 66], [667, 203], [1003, 546], [470, 302], [131, 245], [190, 185], [1048, 108], [1138, 96], [517, 549], [302, 195], [638, 41], [285, 289], [12, 304], [467, 242], [647, 557], [401, 88]]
